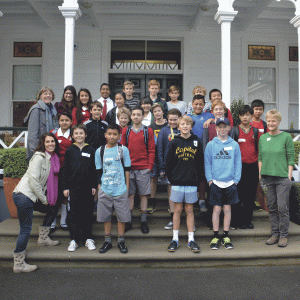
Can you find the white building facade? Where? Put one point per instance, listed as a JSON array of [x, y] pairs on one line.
[[181, 39]]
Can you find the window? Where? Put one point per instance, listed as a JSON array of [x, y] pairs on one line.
[[145, 55], [26, 82]]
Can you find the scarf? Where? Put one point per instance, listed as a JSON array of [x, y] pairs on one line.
[[52, 181], [50, 115]]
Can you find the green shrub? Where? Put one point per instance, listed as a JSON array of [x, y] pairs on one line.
[[13, 162], [297, 151], [234, 108]]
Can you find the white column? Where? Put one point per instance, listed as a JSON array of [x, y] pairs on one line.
[[71, 12], [225, 16]]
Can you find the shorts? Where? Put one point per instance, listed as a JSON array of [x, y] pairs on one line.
[[223, 196], [139, 180], [106, 203], [187, 194]]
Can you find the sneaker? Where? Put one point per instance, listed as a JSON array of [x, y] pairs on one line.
[[233, 227], [72, 246], [173, 246], [123, 249], [169, 226], [151, 209], [215, 243], [257, 207], [282, 242], [194, 247], [90, 244], [202, 206], [272, 240], [226, 242], [144, 227]]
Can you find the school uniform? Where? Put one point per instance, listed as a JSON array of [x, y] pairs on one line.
[[95, 132], [85, 115]]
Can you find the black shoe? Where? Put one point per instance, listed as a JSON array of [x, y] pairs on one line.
[[122, 247], [250, 226], [128, 226], [173, 246], [52, 230], [144, 227], [64, 228], [194, 247], [106, 246], [243, 227]]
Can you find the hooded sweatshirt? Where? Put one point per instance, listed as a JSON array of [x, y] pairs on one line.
[[184, 162], [223, 161]]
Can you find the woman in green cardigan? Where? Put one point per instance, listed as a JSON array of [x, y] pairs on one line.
[[276, 162]]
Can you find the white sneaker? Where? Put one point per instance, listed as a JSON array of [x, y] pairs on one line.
[[90, 244], [169, 226], [72, 246]]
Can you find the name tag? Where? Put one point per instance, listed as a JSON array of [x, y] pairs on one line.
[[241, 140], [196, 143], [268, 139], [86, 154], [83, 112], [59, 141], [227, 148], [261, 130]]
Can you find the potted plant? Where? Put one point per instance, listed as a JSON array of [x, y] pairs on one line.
[[14, 164], [235, 107]]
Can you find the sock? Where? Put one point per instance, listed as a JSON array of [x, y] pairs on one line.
[[225, 233], [120, 238], [216, 234], [190, 236], [175, 235], [172, 214], [107, 238], [144, 216], [201, 202]]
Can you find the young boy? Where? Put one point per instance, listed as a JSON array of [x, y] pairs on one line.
[[197, 90], [79, 182], [174, 93], [258, 107], [247, 138], [107, 103], [95, 126], [153, 88], [165, 136], [123, 116], [183, 167], [158, 124], [223, 166], [128, 89], [112, 161], [141, 145]]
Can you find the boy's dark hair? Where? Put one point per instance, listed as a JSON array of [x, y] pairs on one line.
[[198, 97], [258, 103], [104, 84], [245, 109], [41, 145], [213, 91], [95, 103], [146, 100], [138, 108], [113, 126], [174, 111], [65, 113], [78, 126]]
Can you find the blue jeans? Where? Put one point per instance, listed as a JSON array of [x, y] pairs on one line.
[[25, 214]]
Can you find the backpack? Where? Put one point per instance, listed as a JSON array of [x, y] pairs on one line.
[[120, 152], [146, 135], [265, 126], [235, 135]]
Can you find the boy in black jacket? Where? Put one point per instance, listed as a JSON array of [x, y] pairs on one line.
[[184, 166], [79, 184]]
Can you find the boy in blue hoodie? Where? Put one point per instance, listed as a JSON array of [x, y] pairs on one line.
[[223, 168]]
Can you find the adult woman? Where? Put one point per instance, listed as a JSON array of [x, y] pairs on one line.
[[275, 162], [41, 118], [40, 182], [68, 100]]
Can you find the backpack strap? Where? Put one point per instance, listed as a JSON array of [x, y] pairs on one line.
[[102, 149], [235, 132], [255, 133], [146, 136], [265, 126], [127, 133]]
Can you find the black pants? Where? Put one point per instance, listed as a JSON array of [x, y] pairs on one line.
[[80, 214], [242, 212]]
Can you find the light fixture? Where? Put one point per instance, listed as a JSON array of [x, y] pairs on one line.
[[87, 4], [205, 7]]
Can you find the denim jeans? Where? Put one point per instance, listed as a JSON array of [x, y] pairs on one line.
[[25, 214]]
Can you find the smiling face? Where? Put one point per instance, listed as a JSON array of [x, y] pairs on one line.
[[184, 127], [222, 130], [47, 97], [153, 89], [273, 124], [158, 113], [96, 112], [218, 111], [198, 106], [49, 144], [68, 96], [172, 120], [123, 120], [128, 90], [120, 101], [79, 136], [112, 136], [105, 91], [215, 96], [146, 107], [84, 98], [174, 95], [64, 123]]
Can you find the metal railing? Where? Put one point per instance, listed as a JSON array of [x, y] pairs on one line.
[[17, 139]]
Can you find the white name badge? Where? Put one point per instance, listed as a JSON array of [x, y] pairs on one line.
[[59, 141], [268, 139], [227, 148], [261, 130], [86, 154], [241, 140], [83, 112]]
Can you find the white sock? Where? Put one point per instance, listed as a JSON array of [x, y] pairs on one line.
[[175, 235], [53, 223], [191, 236], [63, 214]]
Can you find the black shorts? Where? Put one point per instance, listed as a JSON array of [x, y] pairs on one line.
[[223, 196]]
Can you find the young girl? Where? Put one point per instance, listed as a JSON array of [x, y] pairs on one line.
[[111, 117], [81, 112], [174, 93], [146, 104], [68, 100], [65, 141]]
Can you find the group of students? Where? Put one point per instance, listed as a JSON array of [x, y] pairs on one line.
[[112, 150]]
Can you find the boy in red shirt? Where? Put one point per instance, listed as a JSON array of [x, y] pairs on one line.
[[139, 140], [258, 107], [247, 137]]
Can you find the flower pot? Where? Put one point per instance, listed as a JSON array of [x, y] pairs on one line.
[[9, 185]]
